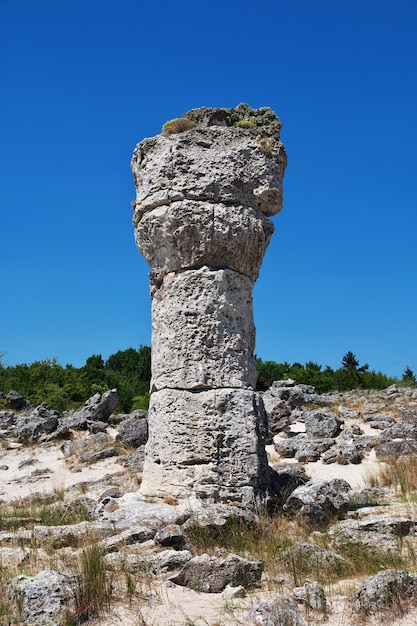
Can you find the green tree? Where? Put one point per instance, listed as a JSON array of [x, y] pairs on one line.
[[408, 376], [350, 362]]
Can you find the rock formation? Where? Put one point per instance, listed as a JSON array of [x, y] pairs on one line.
[[205, 189]]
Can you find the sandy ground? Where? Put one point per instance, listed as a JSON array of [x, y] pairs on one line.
[[162, 604]]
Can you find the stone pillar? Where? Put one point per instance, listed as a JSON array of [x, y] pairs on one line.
[[205, 188]]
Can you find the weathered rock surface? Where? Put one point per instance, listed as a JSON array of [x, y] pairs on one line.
[[319, 501], [206, 442], [210, 574], [43, 598], [312, 596], [133, 431], [203, 197], [280, 610], [387, 589], [319, 424]]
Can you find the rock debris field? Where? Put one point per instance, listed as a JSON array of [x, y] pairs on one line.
[[70, 482]]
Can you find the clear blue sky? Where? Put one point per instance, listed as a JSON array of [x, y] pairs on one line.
[[83, 81]]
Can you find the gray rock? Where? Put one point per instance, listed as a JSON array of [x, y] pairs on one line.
[[347, 413], [313, 558], [40, 422], [285, 477], [318, 502], [93, 443], [210, 574], [312, 596], [343, 454], [288, 447], [44, 598], [15, 401], [279, 611], [208, 443], [169, 560], [133, 431], [386, 590], [308, 453], [319, 424], [196, 191], [390, 450], [94, 457], [12, 557], [171, 537], [379, 532], [99, 407], [128, 537], [7, 419]]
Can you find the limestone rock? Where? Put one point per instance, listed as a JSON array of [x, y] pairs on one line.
[[276, 612], [212, 313], [100, 407], [15, 400], [319, 424], [193, 233], [210, 574], [43, 598], [313, 558], [133, 431], [312, 596], [387, 589], [207, 442], [203, 198], [318, 501]]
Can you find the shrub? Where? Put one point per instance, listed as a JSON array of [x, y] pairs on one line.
[[245, 124], [177, 125]]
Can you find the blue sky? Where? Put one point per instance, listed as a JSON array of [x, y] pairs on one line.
[[84, 80]]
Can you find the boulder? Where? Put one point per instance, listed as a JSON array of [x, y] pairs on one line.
[[43, 598], [312, 596], [15, 401], [210, 574], [279, 611], [319, 424], [318, 501], [171, 536], [134, 431], [41, 421], [342, 453], [313, 559], [388, 589], [99, 407]]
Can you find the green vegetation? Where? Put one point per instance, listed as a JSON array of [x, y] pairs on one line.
[[349, 376], [245, 124], [63, 388], [177, 125], [94, 592], [129, 371]]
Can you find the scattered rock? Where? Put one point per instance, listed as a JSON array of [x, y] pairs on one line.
[[44, 598], [210, 574], [276, 612], [15, 400], [134, 431], [318, 502], [319, 424], [312, 596], [388, 589]]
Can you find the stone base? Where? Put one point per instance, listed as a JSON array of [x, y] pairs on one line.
[[209, 444]]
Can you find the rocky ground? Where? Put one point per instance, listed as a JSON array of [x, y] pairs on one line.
[[69, 486]]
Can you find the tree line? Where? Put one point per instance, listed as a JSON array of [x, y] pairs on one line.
[[129, 371]]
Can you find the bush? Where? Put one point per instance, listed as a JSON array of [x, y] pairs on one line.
[[177, 125], [245, 124]]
